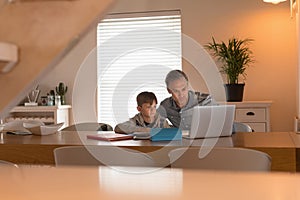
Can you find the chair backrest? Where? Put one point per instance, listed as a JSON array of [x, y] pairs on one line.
[[241, 127], [220, 158], [101, 155], [89, 126]]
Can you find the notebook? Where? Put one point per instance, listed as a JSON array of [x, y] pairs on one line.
[[141, 135], [211, 121], [109, 136]]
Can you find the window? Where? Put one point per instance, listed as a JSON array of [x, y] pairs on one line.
[[135, 52]]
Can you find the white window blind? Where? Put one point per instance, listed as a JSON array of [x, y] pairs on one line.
[[134, 53]]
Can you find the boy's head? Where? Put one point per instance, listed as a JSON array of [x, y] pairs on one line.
[[146, 97], [146, 104]]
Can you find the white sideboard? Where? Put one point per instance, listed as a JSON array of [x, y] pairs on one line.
[[46, 114], [254, 113]]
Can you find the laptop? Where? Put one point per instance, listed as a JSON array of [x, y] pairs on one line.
[[211, 121]]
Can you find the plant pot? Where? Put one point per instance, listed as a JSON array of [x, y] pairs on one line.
[[234, 92], [63, 99]]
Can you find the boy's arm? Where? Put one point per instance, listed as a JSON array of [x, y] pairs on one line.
[[130, 127]]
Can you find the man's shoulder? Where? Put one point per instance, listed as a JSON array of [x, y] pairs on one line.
[[167, 101]]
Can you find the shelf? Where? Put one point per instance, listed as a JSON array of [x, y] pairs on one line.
[[254, 113], [39, 108], [46, 114]]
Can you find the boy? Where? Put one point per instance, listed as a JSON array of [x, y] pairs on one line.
[[147, 117]]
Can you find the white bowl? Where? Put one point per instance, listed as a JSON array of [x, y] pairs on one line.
[[42, 129], [17, 127], [1, 127], [33, 123]]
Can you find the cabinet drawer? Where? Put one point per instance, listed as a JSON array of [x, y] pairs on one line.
[[258, 127], [253, 115]]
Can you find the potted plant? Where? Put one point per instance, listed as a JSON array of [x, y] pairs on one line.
[[235, 57], [61, 90]]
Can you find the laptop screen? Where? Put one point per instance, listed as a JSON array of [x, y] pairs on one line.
[[211, 121]]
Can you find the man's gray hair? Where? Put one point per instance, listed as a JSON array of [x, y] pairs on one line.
[[175, 75]]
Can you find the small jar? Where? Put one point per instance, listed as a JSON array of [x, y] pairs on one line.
[[50, 100], [44, 100], [57, 100]]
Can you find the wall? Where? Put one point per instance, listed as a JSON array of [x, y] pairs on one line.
[[272, 77], [68, 68]]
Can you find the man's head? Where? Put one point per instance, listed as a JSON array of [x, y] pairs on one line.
[[147, 105], [177, 85]]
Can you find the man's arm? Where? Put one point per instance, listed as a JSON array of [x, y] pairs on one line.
[[162, 111], [166, 111]]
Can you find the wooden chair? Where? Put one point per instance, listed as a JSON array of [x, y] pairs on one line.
[[7, 163], [220, 158], [101, 155], [89, 126]]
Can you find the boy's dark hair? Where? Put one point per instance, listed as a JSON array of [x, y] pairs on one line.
[[145, 97], [175, 75]]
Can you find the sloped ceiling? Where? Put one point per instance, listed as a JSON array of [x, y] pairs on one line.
[[44, 31]]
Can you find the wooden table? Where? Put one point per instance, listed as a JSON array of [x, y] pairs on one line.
[[36, 183], [32, 149]]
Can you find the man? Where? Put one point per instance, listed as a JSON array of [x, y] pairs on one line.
[[178, 107]]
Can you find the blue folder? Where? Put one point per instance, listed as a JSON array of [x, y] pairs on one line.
[[165, 134]]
